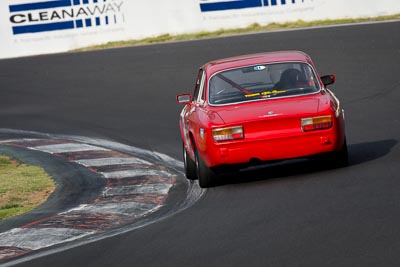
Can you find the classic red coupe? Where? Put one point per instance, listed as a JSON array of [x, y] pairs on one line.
[[252, 109]]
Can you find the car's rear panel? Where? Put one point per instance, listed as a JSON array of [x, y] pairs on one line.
[[274, 132]]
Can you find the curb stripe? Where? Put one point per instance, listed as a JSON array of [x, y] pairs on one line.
[[15, 141], [86, 221], [134, 209], [137, 189], [33, 239], [66, 147], [12, 252], [93, 154], [140, 180], [111, 161], [148, 198], [126, 167], [133, 173], [27, 142]]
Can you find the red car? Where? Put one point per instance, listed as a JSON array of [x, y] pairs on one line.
[[257, 108]]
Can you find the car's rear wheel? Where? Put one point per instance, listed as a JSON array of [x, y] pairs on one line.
[[206, 176], [190, 166], [339, 158]]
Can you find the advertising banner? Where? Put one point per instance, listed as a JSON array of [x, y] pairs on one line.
[[32, 27]]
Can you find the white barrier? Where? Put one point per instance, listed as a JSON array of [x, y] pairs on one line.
[[32, 27]]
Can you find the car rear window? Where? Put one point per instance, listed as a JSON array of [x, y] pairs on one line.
[[259, 82]]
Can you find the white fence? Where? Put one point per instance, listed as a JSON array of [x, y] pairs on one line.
[[32, 27]]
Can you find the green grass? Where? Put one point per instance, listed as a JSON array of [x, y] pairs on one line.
[[253, 28], [22, 187]]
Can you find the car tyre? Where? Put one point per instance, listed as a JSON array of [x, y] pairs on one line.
[[205, 175], [340, 158], [190, 165]]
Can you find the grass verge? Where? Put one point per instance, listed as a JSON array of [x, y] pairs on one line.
[[253, 28], [22, 187]]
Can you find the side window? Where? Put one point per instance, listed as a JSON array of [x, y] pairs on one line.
[[197, 87], [202, 91], [199, 92]]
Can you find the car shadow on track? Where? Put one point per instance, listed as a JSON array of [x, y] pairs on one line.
[[358, 154]]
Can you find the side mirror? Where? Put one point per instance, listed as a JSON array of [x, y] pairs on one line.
[[184, 98], [328, 79]]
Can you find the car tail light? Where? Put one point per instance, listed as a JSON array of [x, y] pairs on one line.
[[316, 123], [225, 134]]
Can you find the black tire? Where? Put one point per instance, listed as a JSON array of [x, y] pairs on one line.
[[190, 166], [340, 158], [205, 175]]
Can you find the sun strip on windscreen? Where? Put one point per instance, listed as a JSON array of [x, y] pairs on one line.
[[265, 94]]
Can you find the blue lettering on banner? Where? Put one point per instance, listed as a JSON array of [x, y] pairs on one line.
[[54, 15], [212, 5]]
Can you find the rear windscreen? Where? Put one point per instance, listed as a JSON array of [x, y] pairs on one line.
[[259, 82]]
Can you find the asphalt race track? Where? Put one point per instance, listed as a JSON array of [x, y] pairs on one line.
[[298, 214]]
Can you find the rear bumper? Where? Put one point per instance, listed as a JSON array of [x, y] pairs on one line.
[[304, 145]]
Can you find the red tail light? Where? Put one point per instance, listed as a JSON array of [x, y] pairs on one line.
[[316, 123], [225, 134]]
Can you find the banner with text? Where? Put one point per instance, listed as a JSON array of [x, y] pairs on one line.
[[32, 27]]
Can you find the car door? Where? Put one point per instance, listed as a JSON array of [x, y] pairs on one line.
[[193, 111]]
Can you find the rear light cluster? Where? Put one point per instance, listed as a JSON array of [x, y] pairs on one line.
[[316, 123], [226, 134]]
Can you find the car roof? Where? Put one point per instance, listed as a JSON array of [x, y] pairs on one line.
[[254, 59]]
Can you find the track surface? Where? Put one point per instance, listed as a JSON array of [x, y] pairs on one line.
[[298, 214]]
